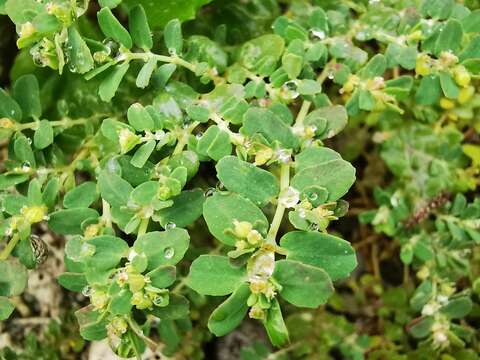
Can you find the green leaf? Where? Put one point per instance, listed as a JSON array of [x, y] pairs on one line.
[[471, 23], [222, 209], [145, 193], [159, 13], [309, 87], [302, 285], [335, 116], [313, 156], [14, 277], [267, 123], [262, 53], [120, 303], [143, 77], [139, 118], [109, 3], [276, 329], [139, 29], [43, 136], [93, 326], [215, 143], [110, 84], [6, 308], [69, 221], [246, 179], [375, 67], [81, 196], [72, 281], [79, 57], [337, 176], [214, 275], [422, 328], [112, 28], [9, 108], [162, 276], [229, 314], [457, 308], [163, 248], [114, 189], [178, 308], [23, 150], [187, 207], [143, 153], [449, 87], [429, 91], [198, 113], [10, 180], [292, 64], [26, 92], [109, 250], [172, 35], [450, 38], [163, 74], [334, 255]]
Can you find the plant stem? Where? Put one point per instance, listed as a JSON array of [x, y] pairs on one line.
[[278, 217], [184, 138], [302, 112], [9, 248], [142, 229], [136, 329]]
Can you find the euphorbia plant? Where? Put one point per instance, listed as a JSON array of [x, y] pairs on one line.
[[179, 167], [126, 187]]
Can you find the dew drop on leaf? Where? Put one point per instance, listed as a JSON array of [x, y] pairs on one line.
[[170, 226], [87, 291], [168, 253], [209, 192]]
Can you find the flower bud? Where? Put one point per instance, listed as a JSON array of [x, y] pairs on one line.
[[136, 282], [254, 237], [446, 104], [242, 228], [465, 94], [34, 214], [423, 65], [461, 75], [99, 299], [118, 325]]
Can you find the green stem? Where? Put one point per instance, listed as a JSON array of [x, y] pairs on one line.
[[302, 112], [9, 248], [142, 229], [136, 329], [223, 125], [184, 138], [279, 212]]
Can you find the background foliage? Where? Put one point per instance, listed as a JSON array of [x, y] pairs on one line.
[[188, 164]]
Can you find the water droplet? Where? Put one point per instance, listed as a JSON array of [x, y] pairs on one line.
[[220, 186], [29, 141], [113, 166], [330, 75], [209, 192], [318, 34], [313, 227], [313, 196], [168, 252], [158, 300], [26, 166], [302, 213], [289, 197], [172, 51], [87, 291], [199, 135], [170, 226]]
